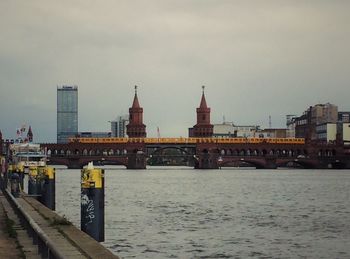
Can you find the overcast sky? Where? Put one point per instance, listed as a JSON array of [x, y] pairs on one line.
[[257, 58]]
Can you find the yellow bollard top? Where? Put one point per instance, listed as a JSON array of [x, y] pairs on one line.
[[20, 167], [92, 178], [33, 171], [11, 167], [50, 172]]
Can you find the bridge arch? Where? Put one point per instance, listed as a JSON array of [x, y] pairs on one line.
[[258, 163], [183, 150]]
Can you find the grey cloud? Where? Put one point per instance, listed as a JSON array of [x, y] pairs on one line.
[[258, 58]]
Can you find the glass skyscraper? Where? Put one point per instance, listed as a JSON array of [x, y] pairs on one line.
[[67, 113]]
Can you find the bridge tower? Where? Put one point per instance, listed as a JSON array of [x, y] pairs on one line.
[[136, 128], [203, 128]]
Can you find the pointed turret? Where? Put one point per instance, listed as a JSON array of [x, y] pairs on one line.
[[203, 128], [203, 104], [136, 128], [135, 103], [30, 134]]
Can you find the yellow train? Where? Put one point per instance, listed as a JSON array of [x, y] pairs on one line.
[[293, 141]]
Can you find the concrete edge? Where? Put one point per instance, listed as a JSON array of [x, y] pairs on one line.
[[86, 244]]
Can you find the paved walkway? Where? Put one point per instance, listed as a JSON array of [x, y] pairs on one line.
[[67, 240], [8, 245]]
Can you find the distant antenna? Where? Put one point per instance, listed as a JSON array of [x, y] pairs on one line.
[[270, 123], [158, 132]]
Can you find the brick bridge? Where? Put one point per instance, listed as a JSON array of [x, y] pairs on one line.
[[201, 150], [203, 154]]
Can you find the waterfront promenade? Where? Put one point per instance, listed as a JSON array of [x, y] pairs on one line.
[[8, 246], [31, 230]]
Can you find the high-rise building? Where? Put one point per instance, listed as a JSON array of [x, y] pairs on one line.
[[67, 113], [118, 126]]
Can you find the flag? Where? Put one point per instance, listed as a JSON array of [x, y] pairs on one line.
[[23, 128]]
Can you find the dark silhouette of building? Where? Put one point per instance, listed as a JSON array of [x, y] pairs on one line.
[[30, 134], [136, 128], [1, 142], [203, 128]]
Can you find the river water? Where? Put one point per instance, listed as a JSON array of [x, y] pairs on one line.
[[231, 213]]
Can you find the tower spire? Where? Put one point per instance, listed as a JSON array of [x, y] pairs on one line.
[[136, 103], [203, 103]]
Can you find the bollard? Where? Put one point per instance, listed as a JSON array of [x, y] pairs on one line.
[[92, 202], [48, 195], [20, 171], [9, 171], [2, 173], [33, 183], [14, 184]]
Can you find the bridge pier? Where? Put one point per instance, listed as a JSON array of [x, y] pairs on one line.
[[74, 164], [207, 161], [270, 163], [136, 161]]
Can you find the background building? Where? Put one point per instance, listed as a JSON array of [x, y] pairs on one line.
[[306, 125], [344, 117], [326, 132], [272, 133], [224, 130], [229, 130], [118, 126], [67, 113], [344, 130], [290, 132], [91, 134]]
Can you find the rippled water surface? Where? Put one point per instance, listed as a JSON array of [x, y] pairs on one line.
[[184, 213]]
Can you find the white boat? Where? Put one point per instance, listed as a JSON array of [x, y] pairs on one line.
[[25, 155]]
